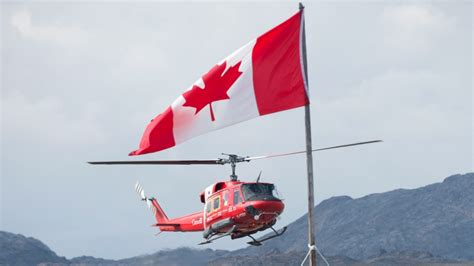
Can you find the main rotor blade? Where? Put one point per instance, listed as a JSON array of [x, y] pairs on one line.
[[320, 149], [222, 161], [169, 162]]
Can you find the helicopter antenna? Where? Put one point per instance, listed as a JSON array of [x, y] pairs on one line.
[[258, 178]]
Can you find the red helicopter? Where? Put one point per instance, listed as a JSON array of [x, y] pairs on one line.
[[231, 208]]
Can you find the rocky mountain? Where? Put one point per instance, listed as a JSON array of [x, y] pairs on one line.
[[432, 225], [437, 218], [33, 252], [176, 257], [20, 250], [16, 249], [295, 258]]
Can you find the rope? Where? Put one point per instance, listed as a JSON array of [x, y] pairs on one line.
[[313, 247]]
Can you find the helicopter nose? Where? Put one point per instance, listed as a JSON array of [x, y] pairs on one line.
[[269, 207]]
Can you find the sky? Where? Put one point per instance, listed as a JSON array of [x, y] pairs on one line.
[[80, 81]]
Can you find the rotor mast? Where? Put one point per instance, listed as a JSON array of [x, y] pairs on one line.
[[233, 176]]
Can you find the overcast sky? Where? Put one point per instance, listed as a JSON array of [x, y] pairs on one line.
[[81, 81]]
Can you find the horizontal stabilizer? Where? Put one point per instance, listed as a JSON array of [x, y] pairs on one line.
[[161, 224]]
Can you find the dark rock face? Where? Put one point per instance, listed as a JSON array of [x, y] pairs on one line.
[[175, 257], [17, 249], [295, 258], [438, 218], [172, 257], [277, 259], [88, 260]]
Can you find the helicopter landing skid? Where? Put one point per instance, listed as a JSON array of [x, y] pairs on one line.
[[256, 242], [208, 241]]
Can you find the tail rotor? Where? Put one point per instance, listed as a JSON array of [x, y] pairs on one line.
[[152, 204], [141, 193]]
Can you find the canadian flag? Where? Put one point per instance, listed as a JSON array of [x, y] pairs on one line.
[[263, 77]]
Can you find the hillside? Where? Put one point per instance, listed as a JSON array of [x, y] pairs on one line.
[[17, 249], [437, 218], [431, 225]]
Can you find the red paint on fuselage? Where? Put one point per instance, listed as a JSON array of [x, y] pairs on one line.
[[226, 202], [269, 211]]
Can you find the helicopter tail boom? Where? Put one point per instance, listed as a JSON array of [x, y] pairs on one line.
[[188, 223]]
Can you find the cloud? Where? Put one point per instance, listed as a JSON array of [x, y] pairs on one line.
[[414, 27], [398, 103], [45, 122], [143, 56], [58, 34]]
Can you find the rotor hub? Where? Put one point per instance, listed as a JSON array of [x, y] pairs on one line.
[[233, 159]]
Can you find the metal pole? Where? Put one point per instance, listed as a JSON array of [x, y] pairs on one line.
[[309, 153]]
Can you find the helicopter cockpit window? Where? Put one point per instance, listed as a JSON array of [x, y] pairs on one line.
[[208, 207], [259, 191]]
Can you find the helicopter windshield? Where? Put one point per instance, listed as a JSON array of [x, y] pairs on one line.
[[259, 191]]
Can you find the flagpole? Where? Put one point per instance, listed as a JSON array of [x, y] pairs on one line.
[[309, 153]]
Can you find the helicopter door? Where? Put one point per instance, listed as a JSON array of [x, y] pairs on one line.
[[213, 209], [236, 202], [226, 206], [207, 211]]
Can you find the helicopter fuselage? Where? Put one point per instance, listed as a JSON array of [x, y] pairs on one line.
[[234, 207]]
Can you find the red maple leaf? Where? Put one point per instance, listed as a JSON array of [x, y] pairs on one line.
[[216, 85]]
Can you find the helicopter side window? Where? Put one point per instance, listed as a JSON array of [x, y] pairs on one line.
[[216, 203], [237, 198], [225, 198], [208, 207]]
